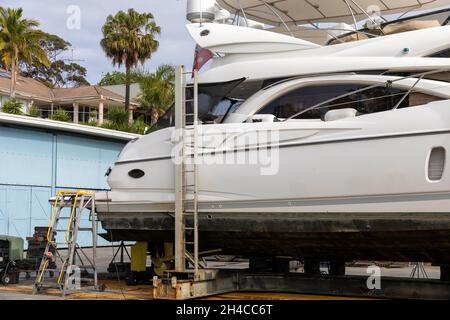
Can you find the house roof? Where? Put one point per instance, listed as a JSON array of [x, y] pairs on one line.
[[26, 87], [87, 93], [34, 89]]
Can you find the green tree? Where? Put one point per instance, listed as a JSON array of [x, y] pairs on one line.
[[118, 77], [158, 91], [129, 39], [20, 41], [112, 78], [59, 73]]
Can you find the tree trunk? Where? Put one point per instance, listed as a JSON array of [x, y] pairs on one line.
[[154, 115], [127, 89], [12, 93]]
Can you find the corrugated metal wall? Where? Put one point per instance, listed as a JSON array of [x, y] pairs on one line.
[[35, 164]]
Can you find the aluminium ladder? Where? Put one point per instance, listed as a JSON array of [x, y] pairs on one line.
[[68, 206], [186, 174]]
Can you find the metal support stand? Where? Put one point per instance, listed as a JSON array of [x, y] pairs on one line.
[[223, 281], [419, 271], [120, 267]]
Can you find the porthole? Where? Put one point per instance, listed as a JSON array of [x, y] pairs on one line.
[[436, 164], [136, 173]]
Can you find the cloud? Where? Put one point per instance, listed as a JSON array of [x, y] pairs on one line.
[[176, 46]]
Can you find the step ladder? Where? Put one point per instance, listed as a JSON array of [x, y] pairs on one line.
[[186, 174], [69, 206]]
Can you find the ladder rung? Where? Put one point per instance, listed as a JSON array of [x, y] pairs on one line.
[[85, 229], [188, 228], [189, 242]]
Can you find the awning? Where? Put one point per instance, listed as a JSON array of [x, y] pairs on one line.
[[296, 12]]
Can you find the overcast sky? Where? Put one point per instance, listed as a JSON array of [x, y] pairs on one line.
[[176, 46]]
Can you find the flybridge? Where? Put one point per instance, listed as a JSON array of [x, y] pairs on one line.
[[318, 21]]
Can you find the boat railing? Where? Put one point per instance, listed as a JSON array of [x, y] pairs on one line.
[[373, 27]]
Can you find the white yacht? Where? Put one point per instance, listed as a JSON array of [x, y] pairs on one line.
[[350, 132]]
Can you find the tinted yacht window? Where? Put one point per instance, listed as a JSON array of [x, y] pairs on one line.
[[373, 100], [441, 54]]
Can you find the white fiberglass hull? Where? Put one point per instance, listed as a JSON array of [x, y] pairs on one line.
[[355, 181], [375, 163]]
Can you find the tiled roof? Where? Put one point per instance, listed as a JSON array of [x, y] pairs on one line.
[[26, 87], [86, 91], [34, 89]]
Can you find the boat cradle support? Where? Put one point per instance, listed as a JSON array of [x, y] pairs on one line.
[[175, 286]]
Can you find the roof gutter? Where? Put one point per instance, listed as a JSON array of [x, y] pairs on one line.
[[65, 127]]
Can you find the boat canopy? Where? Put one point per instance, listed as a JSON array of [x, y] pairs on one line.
[[294, 12]]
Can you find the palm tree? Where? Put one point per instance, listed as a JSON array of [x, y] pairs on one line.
[[158, 91], [19, 43], [129, 39]]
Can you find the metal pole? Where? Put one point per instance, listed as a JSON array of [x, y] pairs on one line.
[[367, 15], [195, 174], [180, 249], [354, 18], [243, 13], [279, 17], [201, 14], [94, 239]]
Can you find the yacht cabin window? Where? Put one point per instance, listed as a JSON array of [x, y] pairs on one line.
[[370, 101]]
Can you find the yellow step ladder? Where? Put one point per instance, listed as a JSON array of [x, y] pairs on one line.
[[69, 206]]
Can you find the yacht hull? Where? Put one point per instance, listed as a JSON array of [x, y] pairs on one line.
[[342, 190], [325, 236]]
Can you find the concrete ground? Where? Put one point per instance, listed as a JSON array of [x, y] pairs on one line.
[[118, 290]]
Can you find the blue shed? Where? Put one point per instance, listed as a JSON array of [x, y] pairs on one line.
[[39, 157]]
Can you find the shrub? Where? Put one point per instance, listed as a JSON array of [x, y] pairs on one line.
[[118, 117], [12, 107], [61, 115], [139, 126], [33, 111]]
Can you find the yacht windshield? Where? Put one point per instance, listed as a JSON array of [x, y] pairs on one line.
[[214, 104], [213, 100]]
